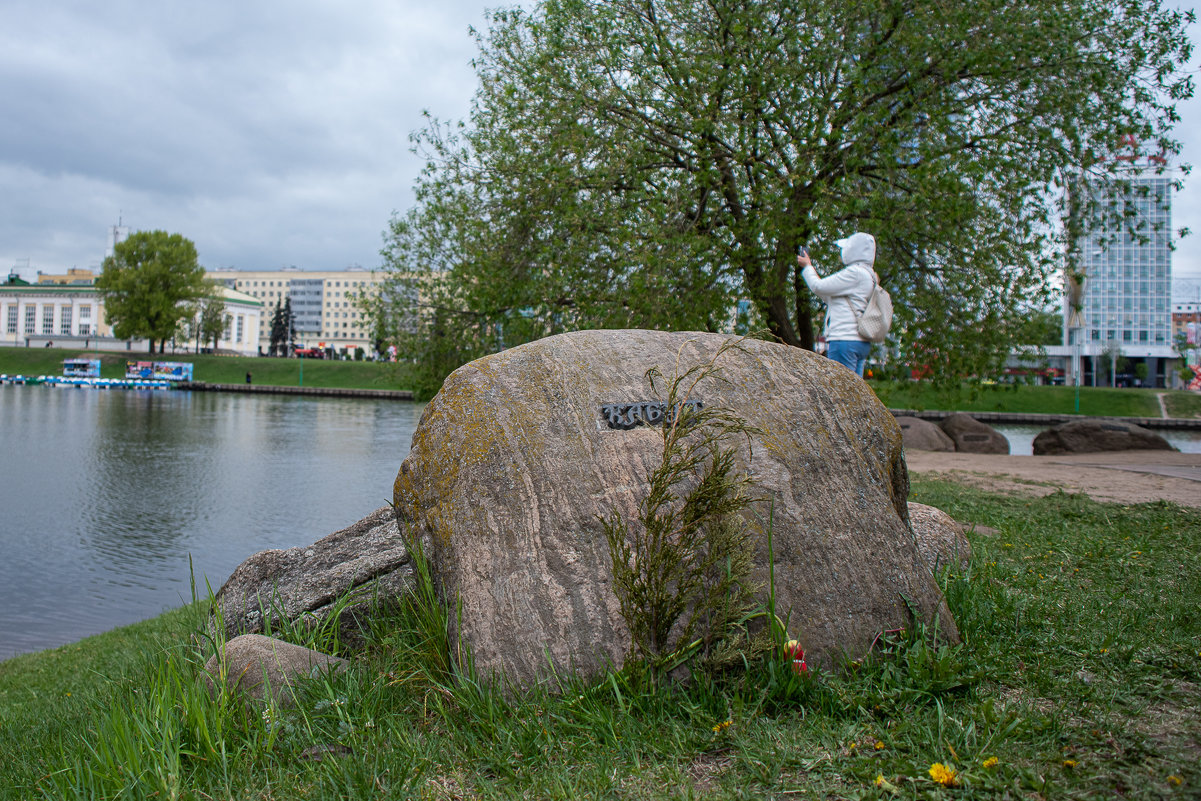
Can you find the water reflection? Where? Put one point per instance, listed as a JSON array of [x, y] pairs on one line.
[[104, 495]]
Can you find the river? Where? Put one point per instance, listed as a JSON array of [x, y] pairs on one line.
[[112, 500]]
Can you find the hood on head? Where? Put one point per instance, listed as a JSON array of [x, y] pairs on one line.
[[858, 247]]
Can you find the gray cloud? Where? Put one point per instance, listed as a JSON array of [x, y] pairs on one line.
[[270, 133]]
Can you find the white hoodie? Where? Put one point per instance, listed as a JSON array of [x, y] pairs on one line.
[[853, 282]]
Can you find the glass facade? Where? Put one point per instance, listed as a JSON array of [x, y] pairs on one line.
[[1128, 293]]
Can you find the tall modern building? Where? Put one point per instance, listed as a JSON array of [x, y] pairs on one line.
[[1127, 298]]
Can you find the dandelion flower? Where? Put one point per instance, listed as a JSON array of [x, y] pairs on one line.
[[991, 762], [720, 727], [1173, 780], [1069, 763], [879, 745], [944, 775]]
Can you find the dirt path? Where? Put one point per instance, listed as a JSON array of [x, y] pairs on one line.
[[1126, 477]]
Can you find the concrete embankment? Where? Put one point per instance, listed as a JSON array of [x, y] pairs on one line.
[[325, 392]]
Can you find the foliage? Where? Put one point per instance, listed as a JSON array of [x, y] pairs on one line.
[[643, 164], [1039, 327], [283, 329], [148, 285], [683, 567]]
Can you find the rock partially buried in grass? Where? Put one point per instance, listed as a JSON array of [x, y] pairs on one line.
[[258, 666], [940, 539], [521, 454]]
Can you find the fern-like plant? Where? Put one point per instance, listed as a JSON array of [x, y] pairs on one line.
[[681, 570]]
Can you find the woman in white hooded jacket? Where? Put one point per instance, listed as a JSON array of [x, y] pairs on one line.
[[845, 294]]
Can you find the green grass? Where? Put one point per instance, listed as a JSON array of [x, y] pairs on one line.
[[1078, 674], [221, 369], [1027, 399]]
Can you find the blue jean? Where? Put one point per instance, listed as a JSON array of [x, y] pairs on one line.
[[850, 353]]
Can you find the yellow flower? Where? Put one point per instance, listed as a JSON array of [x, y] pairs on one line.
[[720, 727], [879, 745], [991, 762], [944, 775], [1173, 780], [1069, 763], [885, 784]]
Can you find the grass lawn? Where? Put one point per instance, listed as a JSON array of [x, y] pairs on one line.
[[221, 369], [1078, 677]]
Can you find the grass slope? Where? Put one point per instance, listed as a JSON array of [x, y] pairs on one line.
[[1078, 678], [220, 369]]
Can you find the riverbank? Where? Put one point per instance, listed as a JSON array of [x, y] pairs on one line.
[[1078, 677]]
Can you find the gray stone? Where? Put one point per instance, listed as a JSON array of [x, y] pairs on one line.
[[368, 559], [922, 435], [514, 464], [972, 436], [1097, 436], [258, 667], [940, 539]]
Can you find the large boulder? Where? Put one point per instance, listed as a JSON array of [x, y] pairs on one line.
[[940, 539], [972, 436], [922, 435], [1095, 436], [521, 454], [355, 571]]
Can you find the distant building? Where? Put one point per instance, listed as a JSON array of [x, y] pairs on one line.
[[1128, 287], [60, 311], [75, 277], [325, 310]]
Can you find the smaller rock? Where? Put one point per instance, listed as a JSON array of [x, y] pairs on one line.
[[922, 435], [367, 561], [972, 436], [258, 666], [1097, 436], [940, 540]]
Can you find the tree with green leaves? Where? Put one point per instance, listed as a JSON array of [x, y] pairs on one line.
[[648, 162], [149, 284], [279, 331], [213, 321]]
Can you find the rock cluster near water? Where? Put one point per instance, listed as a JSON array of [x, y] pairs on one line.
[[517, 459], [1097, 436], [956, 432]]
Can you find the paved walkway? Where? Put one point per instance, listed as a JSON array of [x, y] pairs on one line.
[[1123, 477]]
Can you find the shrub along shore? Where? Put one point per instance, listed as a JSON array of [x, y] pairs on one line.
[[1078, 677]]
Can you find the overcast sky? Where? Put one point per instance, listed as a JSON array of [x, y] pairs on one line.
[[269, 133]]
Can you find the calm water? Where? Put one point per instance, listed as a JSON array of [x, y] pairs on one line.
[[104, 495]]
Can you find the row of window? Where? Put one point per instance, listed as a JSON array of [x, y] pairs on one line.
[[48, 316]]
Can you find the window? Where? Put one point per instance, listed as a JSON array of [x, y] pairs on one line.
[[238, 338], [47, 319], [12, 319], [85, 330], [85, 312], [64, 323]]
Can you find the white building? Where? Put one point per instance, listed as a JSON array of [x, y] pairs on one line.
[[72, 315], [325, 303]]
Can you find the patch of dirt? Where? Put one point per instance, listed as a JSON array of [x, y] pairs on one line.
[[1121, 477]]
